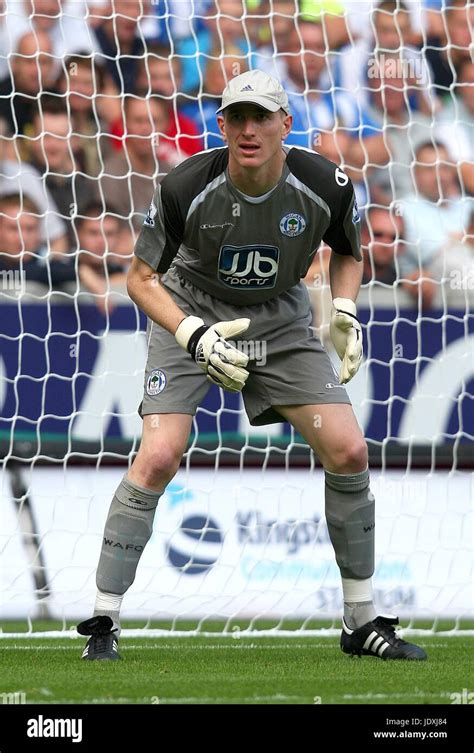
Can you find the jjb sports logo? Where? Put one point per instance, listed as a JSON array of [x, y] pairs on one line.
[[249, 267], [292, 224]]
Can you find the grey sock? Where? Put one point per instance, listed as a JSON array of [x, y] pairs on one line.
[[350, 515], [358, 613], [127, 530]]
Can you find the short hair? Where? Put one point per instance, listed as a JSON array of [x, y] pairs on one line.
[[435, 145], [94, 210], [456, 5], [82, 60], [390, 209], [392, 6], [160, 51], [17, 200], [142, 95], [51, 104]]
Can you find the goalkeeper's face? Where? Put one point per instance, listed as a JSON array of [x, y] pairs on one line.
[[253, 134]]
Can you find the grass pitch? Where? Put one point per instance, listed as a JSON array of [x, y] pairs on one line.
[[228, 670]]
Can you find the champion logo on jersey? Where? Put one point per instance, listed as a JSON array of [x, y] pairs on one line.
[[247, 88], [292, 224]]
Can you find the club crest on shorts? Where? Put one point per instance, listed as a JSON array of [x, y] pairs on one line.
[[292, 224], [156, 382]]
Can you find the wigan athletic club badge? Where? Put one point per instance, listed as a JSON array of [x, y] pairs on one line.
[[156, 382], [292, 224]]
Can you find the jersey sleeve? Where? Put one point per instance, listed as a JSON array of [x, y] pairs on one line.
[[162, 230], [343, 234]]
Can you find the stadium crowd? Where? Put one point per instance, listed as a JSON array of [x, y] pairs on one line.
[[99, 99]]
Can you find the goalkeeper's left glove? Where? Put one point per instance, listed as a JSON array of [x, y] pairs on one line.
[[346, 334]]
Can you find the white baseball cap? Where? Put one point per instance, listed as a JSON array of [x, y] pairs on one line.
[[258, 88]]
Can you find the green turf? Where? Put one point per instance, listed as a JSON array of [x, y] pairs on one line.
[[230, 670], [216, 626]]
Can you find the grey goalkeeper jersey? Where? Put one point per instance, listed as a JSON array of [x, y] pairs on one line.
[[245, 249]]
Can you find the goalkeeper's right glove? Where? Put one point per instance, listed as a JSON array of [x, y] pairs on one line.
[[346, 334], [223, 364]]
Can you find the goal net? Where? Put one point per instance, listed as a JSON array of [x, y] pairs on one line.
[[98, 101]]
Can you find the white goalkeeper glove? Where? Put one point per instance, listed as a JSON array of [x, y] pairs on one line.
[[223, 364], [346, 334]]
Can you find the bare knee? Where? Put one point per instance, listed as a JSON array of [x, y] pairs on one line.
[[351, 457], [154, 467]]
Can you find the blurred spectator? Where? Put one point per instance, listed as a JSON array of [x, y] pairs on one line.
[[279, 18], [359, 18], [120, 44], [430, 217], [329, 121], [182, 23], [381, 235], [330, 14], [177, 20], [403, 130], [22, 251], [16, 177], [24, 261], [203, 112], [354, 67], [100, 268], [101, 234], [433, 18], [160, 72], [130, 175], [80, 85], [52, 157], [32, 72], [446, 54], [224, 29], [456, 124], [453, 267], [64, 22], [281, 22], [227, 27], [160, 77]]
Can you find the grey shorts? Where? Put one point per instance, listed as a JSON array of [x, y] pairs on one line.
[[288, 365]]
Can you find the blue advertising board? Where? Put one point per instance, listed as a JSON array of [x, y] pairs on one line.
[[68, 373]]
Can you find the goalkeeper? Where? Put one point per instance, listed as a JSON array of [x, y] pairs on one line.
[[228, 236]]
